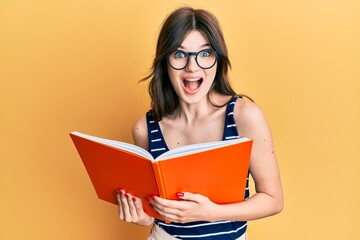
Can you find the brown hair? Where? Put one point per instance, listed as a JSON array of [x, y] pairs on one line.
[[164, 100]]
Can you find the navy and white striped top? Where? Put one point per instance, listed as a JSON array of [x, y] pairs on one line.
[[219, 230]]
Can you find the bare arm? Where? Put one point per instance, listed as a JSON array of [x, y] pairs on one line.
[[268, 199], [139, 132]]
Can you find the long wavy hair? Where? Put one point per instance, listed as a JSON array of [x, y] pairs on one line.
[[164, 100]]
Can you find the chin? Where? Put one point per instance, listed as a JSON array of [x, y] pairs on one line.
[[193, 99]]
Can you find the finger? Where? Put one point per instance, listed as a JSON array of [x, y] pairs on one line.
[[120, 208], [133, 212], [125, 206], [138, 205], [164, 202], [171, 204], [168, 217], [140, 210], [168, 213], [190, 196]]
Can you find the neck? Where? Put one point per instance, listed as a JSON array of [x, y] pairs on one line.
[[191, 113]]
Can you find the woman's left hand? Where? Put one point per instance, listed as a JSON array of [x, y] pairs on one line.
[[191, 207]]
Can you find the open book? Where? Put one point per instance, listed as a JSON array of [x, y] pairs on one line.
[[217, 170]]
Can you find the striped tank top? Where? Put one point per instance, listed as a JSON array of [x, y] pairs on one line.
[[201, 230]]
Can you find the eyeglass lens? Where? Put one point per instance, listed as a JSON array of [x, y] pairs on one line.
[[205, 59]]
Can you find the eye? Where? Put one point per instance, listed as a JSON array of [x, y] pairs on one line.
[[206, 53], [179, 54]]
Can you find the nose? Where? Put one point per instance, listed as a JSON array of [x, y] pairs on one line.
[[192, 65]]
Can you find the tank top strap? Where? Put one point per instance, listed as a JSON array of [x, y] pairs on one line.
[[156, 142], [230, 129], [231, 132]]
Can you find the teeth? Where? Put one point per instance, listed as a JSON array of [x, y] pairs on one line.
[[192, 79]]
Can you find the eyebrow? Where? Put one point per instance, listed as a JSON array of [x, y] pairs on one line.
[[204, 45]]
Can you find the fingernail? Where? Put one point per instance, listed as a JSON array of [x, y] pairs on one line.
[[134, 199], [147, 199], [180, 194], [126, 195], [152, 197], [117, 191]]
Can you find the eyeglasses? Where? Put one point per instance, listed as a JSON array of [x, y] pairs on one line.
[[205, 59]]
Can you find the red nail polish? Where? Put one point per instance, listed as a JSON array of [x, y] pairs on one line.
[[152, 197], [180, 194], [147, 199], [134, 199], [126, 195], [117, 191]]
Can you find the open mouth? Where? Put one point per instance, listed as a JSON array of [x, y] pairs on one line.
[[192, 85]]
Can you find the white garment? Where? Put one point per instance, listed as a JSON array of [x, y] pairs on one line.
[[158, 234]]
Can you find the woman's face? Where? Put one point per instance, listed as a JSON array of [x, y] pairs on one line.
[[192, 83]]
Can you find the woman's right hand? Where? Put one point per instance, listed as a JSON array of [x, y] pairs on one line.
[[131, 209]]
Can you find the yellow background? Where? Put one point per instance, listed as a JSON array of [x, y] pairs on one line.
[[74, 65]]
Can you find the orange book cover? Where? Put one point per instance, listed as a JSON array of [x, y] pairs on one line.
[[217, 170]]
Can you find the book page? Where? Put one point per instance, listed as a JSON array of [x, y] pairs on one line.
[[194, 148], [117, 144]]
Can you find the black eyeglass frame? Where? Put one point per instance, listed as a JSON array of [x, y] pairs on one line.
[[189, 54]]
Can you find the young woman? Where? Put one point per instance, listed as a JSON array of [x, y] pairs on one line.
[[193, 102]]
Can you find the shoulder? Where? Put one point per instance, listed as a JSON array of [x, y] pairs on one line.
[[246, 110], [249, 117], [139, 132], [220, 99]]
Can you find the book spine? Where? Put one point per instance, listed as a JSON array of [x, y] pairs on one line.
[[159, 179]]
